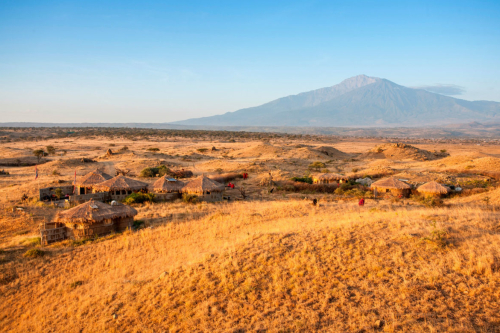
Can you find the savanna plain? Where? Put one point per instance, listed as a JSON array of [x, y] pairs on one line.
[[267, 260]]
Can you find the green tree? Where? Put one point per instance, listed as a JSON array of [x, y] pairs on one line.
[[58, 192], [39, 153], [51, 150], [317, 165]]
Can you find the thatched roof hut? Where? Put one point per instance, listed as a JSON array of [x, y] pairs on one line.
[[391, 184], [92, 178], [94, 212], [167, 184], [433, 188], [121, 183], [202, 184]]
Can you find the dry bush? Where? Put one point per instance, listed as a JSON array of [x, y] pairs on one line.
[[226, 177], [292, 186]]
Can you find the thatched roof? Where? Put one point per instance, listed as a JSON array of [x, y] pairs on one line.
[[94, 211], [167, 184], [391, 183], [202, 184], [119, 183], [92, 178], [329, 176], [434, 188]]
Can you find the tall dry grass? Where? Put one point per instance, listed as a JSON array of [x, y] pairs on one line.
[[275, 266]]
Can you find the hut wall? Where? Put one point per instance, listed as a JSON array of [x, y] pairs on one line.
[[79, 231], [167, 196], [49, 191], [102, 196], [123, 224], [212, 197]]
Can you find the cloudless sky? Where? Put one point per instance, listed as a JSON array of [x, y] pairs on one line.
[[161, 61]]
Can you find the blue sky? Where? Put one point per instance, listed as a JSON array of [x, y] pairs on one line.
[[161, 61]]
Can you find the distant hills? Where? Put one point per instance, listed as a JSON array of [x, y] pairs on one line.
[[360, 101]]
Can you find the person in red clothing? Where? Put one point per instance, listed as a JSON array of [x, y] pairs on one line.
[[361, 202]]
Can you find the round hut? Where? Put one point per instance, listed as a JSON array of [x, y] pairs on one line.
[[120, 187], [205, 188], [434, 189], [95, 218], [329, 178], [392, 185], [85, 184]]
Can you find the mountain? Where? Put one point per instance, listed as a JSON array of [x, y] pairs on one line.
[[358, 101]]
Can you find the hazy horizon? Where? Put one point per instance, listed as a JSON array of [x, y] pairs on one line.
[[164, 62]]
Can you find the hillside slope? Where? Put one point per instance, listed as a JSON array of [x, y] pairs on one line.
[[269, 266]]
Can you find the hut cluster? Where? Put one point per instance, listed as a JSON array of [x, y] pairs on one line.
[[95, 218]]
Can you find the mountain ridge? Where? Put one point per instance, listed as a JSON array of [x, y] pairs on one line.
[[358, 101]]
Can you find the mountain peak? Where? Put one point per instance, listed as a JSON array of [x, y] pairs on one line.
[[358, 101]]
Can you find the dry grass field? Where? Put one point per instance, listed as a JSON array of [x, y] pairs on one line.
[[270, 263]]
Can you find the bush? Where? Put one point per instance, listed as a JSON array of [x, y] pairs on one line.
[[122, 149], [34, 241], [34, 253], [189, 198], [153, 149], [305, 179], [316, 166], [139, 198], [202, 150], [306, 187], [51, 150], [138, 225], [152, 172], [429, 201]]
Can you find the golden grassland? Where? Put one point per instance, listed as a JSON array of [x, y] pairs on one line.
[[271, 263], [276, 266]]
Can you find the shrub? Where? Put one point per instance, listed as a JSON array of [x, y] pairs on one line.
[[75, 284], [153, 149], [189, 198], [51, 150], [58, 192], [138, 225], [306, 187], [202, 150], [429, 201], [122, 149], [34, 241], [34, 253], [305, 179], [161, 170], [139, 198], [39, 153], [316, 165]]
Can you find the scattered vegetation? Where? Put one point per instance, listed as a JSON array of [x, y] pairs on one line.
[[34, 253], [159, 171], [304, 179], [189, 198], [139, 198], [316, 166]]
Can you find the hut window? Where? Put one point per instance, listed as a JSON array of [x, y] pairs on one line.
[[129, 192], [82, 190], [208, 192], [387, 190], [124, 192]]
